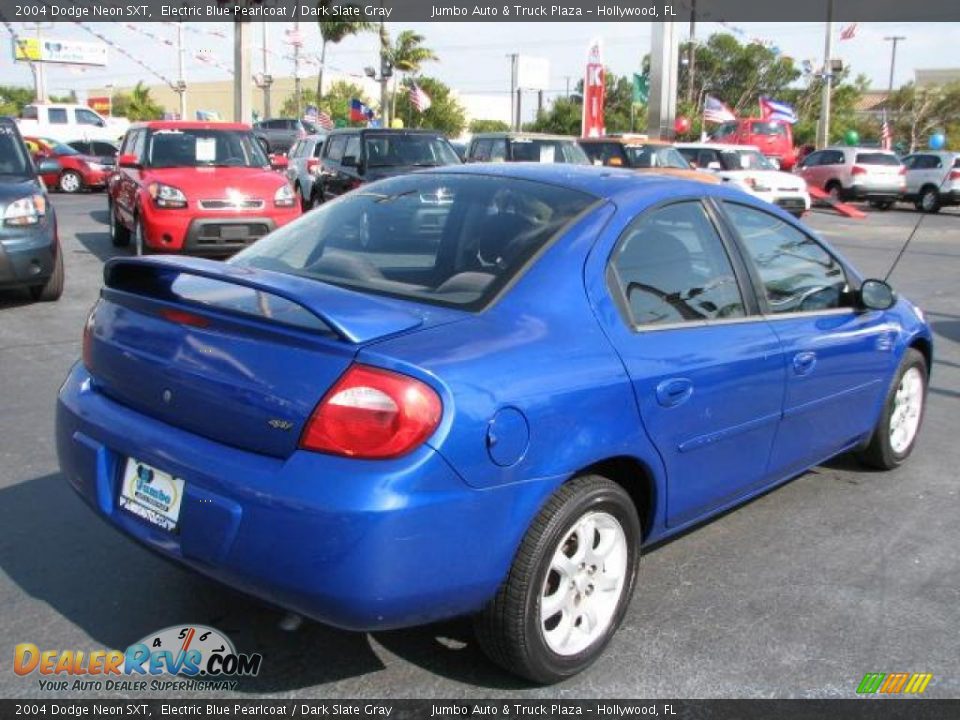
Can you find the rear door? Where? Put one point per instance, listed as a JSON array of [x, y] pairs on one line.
[[332, 155], [707, 374], [838, 358]]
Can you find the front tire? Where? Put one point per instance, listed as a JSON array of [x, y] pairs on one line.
[[896, 432], [119, 233], [569, 586], [140, 246], [51, 290]]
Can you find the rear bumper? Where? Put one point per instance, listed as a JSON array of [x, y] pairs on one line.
[[27, 255], [210, 233], [361, 545], [874, 192]]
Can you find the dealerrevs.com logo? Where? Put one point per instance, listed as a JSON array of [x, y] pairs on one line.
[[180, 657]]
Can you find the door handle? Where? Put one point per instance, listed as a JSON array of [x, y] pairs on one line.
[[804, 362], [674, 391]]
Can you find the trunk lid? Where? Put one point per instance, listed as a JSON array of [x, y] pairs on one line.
[[236, 355]]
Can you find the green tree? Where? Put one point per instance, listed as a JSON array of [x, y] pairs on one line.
[[564, 115], [844, 96], [562, 118], [484, 126], [408, 54], [445, 113], [13, 98], [334, 31], [137, 105], [736, 73], [336, 103], [920, 111]]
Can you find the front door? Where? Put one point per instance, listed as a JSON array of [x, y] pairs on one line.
[[707, 372], [838, 358]]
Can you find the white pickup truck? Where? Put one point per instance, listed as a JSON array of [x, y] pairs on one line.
[[67, 123]]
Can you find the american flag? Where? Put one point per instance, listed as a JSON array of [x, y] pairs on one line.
[[715, 111], [324, 120], [418, 98], [848, 32], [886, 138]]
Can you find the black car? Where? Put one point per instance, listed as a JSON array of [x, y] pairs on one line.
[[525, 147], [354, 156], [30, 254], [104, 152]]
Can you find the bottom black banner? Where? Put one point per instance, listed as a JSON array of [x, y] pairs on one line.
[[872, 709]]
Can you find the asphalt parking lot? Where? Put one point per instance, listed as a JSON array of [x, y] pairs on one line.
[[797, 594]]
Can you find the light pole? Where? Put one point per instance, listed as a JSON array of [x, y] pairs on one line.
[[893, 57], [823, 134], [181, 84], [267, 77]]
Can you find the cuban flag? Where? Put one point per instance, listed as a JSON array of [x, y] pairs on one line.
[[775, 110], [360, 112]]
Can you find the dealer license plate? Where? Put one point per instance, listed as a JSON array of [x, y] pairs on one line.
[[151, 494]]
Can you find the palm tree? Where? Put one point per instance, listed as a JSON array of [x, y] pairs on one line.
[[333, 31], [408, 55], [138, 105]]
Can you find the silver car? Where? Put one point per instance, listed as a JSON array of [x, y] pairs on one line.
[[303, 168], [856, 173], [933, 179]]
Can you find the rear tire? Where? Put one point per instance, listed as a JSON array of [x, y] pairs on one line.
[[119, 233], [929, 201], [835, 191], [70, 182], [897, 429], [51, 290], [564, 598]]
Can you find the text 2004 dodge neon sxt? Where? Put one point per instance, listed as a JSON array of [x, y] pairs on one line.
[[479, 391]]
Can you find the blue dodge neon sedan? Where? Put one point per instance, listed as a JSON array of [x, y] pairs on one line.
[[481, 390]]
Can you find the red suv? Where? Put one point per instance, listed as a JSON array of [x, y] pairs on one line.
[[773, 138], [203, 188]]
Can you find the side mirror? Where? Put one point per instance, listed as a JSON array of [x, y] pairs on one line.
[[876, 295], [48, 166], [128, 160]]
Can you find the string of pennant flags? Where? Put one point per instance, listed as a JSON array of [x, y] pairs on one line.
[[125, 53]]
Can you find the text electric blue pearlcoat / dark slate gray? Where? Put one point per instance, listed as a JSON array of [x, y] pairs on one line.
[[547, 380]]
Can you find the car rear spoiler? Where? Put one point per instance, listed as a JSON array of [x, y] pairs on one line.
[[355, 317]]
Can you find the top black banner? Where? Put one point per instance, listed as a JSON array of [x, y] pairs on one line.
[[477, 11]]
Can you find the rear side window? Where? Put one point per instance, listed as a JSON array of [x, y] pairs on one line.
[[670, 266], [57, 116], [798, 275], [876, 159], [481, 150], [336, 147], [447, 239]]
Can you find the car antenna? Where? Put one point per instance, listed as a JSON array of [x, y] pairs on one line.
[[916, 228]]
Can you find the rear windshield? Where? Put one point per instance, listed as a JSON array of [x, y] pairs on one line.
[[745, 160], [547, 151], [204, 148], [443, 238], [876, 159], [656, 156], [13, 155], [414, 150], [767, 128]]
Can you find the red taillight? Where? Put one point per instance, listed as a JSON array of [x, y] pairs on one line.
[[857, 170], [955, 174], [374, 414], [903, 170], [182, 317], [312, 164]]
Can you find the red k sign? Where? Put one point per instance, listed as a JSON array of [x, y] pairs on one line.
[[593, 92]]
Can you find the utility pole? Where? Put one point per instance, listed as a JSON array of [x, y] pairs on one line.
[[567, 78], [386, 72], [823, 130], [242, 100], [692, 50], [893, 57], [181, 83], [514, 119], [41, 75], [296, 67], [267, 77]]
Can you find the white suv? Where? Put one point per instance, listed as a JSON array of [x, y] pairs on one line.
[[856, 173], [933, 179]]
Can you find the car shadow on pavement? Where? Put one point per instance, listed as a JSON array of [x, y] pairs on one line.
[[14, 297], [99, 245], [117, 592], [949, 329]]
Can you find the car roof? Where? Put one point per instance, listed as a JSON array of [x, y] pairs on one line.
[[717, 146], [861, 148], [599, 181], [386, 131], [625, 140], [517, 135], [188, 125]]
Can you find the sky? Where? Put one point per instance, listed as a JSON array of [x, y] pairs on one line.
[[473, 56]]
